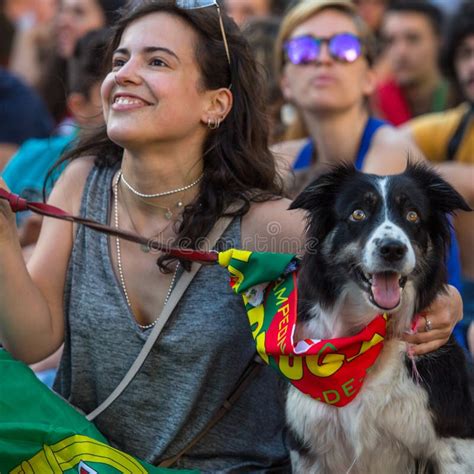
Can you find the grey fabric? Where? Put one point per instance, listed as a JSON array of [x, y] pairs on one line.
[[201, 353]]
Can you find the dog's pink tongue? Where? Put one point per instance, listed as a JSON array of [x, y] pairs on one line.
[[385, 289]]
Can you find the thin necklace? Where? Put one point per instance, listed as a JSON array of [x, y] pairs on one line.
[[168, 214], [144, 247], [164, 193], [120, 266]]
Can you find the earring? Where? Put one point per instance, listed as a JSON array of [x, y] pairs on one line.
[[214, 123], [288, 114]]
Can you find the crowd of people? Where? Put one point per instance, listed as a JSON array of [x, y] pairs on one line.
[[160, 117]]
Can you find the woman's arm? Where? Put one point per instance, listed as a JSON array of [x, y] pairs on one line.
[[460, 176], [390, 151], [271, 227], [31, 299]]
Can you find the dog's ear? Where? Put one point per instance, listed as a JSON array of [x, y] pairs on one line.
[[319, 198], [323, 189], [441, 193]]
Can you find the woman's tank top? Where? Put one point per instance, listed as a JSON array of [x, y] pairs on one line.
[[201, 353]]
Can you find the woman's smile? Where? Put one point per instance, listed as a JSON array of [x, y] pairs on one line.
[[124, 101]]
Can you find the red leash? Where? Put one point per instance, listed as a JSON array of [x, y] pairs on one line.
[[18, 204]]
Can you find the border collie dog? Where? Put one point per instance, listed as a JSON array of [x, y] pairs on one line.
[[381, 249]]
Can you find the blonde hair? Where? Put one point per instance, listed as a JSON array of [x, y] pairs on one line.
[[301, 12], [308, 8]]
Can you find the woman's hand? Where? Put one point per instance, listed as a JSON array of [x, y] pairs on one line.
[[436, 323], [7, 218]]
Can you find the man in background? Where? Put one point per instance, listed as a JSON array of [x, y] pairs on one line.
[[411, 32]]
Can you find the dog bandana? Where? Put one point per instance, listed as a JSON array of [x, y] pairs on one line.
[[331, 371]]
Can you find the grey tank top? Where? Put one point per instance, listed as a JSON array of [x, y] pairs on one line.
[[201, 353]]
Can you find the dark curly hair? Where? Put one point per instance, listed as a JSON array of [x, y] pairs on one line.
[[432, 13], [460, 26], [238, 166]]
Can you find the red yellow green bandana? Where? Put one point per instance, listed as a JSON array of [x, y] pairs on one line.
[[331, 371]]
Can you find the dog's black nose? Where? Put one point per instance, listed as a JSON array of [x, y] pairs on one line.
[[392, 250]]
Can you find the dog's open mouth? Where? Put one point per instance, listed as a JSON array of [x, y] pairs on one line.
[[384, 288]]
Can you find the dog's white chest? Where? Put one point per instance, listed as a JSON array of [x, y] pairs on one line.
[[388, 416]]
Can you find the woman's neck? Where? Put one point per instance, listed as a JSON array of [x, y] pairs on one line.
[[337, 136], [161, 170]]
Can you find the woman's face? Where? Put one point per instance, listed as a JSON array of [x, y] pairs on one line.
[[152, 93], [327, 85], [75, 19]]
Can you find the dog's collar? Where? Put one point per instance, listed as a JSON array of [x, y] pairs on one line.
[[331, 371]]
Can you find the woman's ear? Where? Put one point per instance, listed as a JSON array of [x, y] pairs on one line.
[[370, 82], [285, 87], [76, 104], [219, 105]]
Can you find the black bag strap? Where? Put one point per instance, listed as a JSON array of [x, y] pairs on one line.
[[250, 372], [458, 134]]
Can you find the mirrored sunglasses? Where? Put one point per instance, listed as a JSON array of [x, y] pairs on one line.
[[343, 47], [195, 4]]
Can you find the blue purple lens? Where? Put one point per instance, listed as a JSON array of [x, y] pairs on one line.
[[345, 47], [303, 49]]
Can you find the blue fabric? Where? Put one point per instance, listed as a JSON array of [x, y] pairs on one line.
[[303, 160], [27, 169], [47, 376], [454, 262], [23, 114], [467, 293], [460, 331], [371, 127]]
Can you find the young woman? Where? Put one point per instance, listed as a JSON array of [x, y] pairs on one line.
[[186, 138], [324, 55], [185, 127]]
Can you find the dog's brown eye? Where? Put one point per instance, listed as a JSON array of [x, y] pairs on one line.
[[412, 216], [358, 215]]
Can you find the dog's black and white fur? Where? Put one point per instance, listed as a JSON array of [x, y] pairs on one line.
[[381, 242]]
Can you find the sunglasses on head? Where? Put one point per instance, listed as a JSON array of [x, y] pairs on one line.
[[343, 47], [195, 4]]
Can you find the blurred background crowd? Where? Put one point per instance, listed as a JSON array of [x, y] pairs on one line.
[[421, 57]]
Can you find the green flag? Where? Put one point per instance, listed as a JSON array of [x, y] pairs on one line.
[[40, 433]]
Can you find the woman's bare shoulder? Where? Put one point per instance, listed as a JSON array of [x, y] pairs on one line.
[[390, 151], [271, 227], [285, 154], [287, 151], [288, 147], [77, 169], [68, 189]]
